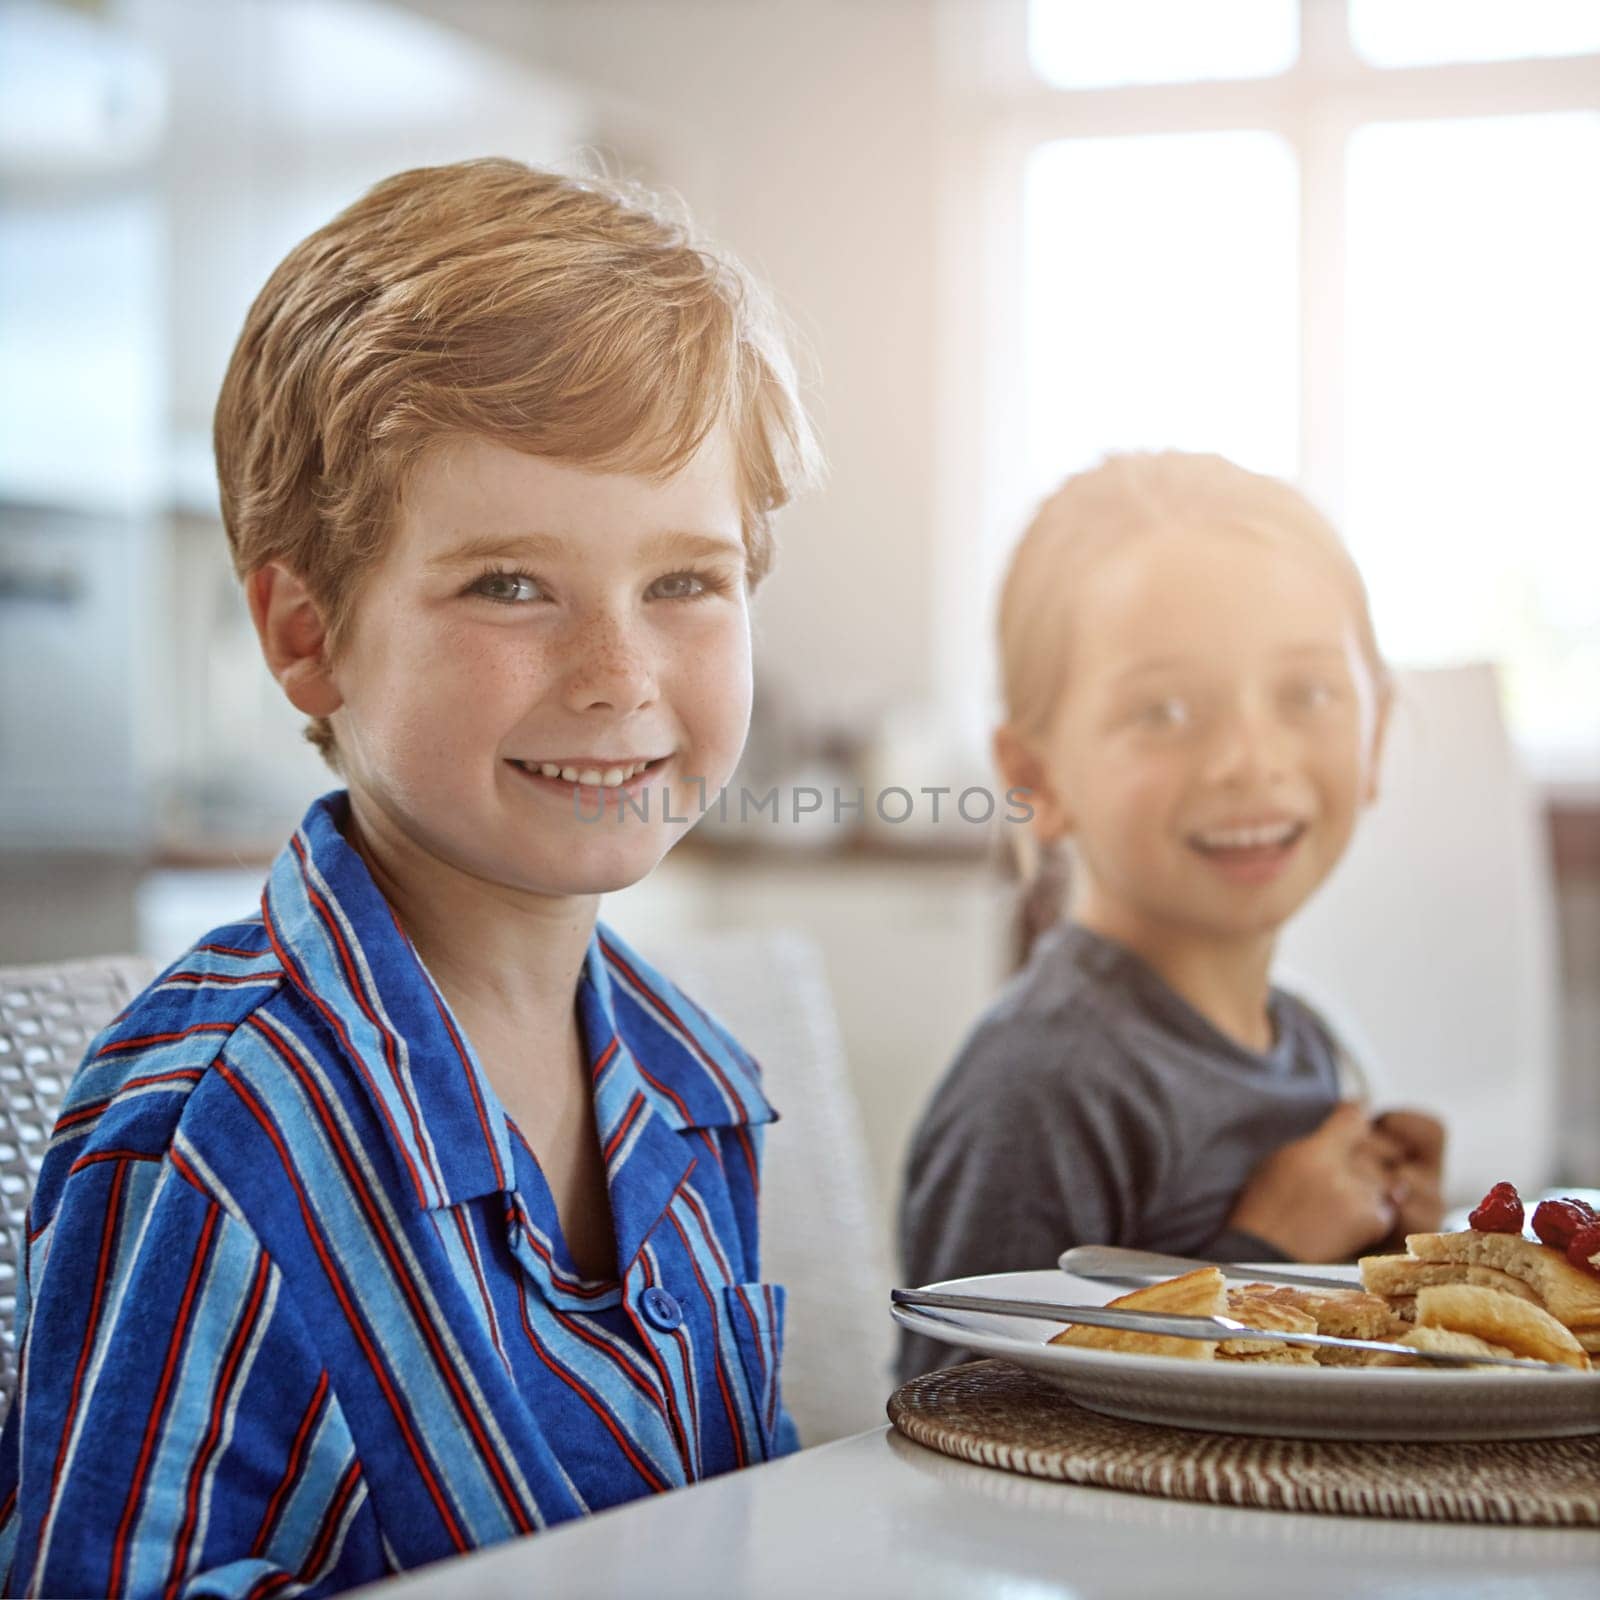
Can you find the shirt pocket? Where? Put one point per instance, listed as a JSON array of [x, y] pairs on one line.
[[756, 1313]]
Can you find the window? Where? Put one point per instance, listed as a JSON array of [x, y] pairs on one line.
[[1410, 33], [1351, 242], [1122, 351], [1472, 409], [1082, 44]]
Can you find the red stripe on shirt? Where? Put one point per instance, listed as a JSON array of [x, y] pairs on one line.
[[590, 1399], [674, 1419], [603, 1060], [579, 1288], [772, 1323], [336, 1281], [221, 977], [672, 1016], [108, 1238], [292, 1468], [231, 1361], [110, 1155], [180, 1330], [117, 1046], [357, 1059], [755, 1330], [742, 1134], [716, 1342], [469, 1244], [569, 1321], [383, 1234], [463, 1057], [323, 1547], [353, 978], [671, 1094], [620, 1132], [94, 1108]]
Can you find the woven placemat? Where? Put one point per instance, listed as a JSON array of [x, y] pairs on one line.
[[997, 1415]]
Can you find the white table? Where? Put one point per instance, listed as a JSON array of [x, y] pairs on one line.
[[877, 1515]]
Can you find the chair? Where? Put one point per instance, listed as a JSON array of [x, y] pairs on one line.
[[1432, 948], [48, 1014], [821, 1232]]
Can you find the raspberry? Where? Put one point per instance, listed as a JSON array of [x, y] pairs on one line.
[[1555, 1221], [1500, 1211], [1583, 1249]]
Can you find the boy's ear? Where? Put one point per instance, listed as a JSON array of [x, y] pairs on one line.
[[1023, 768], [293, 638]]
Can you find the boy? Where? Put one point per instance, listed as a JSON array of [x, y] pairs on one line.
[[416, 1211]]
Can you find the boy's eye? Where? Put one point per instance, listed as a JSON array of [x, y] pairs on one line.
[[508, 588], [684, 586]]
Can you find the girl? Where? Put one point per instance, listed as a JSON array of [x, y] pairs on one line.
[[1195, 697]]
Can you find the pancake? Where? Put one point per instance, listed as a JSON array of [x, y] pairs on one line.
[[1571, 1296], [1201, 1293], [1345, 1313], [1400, 1277], [1261, 1312], [1449, 1342], [1501, 1319]]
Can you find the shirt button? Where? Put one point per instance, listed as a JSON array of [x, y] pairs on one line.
[[660, 1309]]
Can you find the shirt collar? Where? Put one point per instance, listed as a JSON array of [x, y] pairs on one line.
[[344, 950], [695, 1074]]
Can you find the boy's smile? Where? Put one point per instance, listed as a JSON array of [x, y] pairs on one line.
[[1216, 737], [538, 644]]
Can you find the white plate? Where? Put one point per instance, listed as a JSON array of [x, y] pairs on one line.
[[1281, 1401]]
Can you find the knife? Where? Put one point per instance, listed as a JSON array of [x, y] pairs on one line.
[[1184, 1327], [1110, 1264]]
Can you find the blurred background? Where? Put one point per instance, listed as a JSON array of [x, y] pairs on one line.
[[1353, 242]]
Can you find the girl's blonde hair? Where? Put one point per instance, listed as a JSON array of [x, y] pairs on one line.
[[1129, 496], [565, 318]]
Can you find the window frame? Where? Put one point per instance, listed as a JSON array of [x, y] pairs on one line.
[[997, 111]]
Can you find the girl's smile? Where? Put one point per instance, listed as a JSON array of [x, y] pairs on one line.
[[1250, 852]]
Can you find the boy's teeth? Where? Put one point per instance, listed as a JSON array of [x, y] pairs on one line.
[[609, 778], [1249, 838]]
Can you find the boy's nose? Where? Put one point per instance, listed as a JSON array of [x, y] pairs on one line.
[[610, 669]]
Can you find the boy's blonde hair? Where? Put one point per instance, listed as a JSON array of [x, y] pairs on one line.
[[1130, 496], [563, 317]]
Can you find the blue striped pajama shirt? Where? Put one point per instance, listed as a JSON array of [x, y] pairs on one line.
[[297, 1312]]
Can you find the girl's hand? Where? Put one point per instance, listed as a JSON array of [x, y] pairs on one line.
[[1417, 1180], [1326, 1197]]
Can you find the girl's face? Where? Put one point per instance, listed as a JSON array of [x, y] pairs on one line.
[[1216, 737]]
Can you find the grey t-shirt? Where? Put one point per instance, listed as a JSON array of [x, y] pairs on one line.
[[1092, 1104]]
